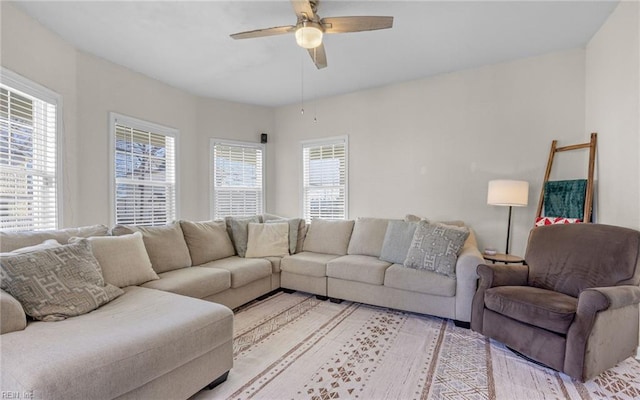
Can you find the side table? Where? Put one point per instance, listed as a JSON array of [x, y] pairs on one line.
[[504, 258]]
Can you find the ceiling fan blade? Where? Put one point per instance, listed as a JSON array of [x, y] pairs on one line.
[[355, 24], [277, 30], [303, 8], [319, 56]]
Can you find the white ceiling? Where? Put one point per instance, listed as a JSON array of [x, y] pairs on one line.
[[187, 44]]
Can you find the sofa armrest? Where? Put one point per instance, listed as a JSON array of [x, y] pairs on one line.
[[466, 279], [12, 316], [591, 302], [492, 276]]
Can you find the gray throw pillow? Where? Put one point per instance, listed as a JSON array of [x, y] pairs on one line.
[[397, 241], [435, 247], [57, 283], [238, 229]]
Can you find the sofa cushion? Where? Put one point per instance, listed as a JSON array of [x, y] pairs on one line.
[[123, 259], [328, 236], [296, 228], [56, 283], [415, 280], [367, 236], [435, 247], [10, 241], [397, 240], [165, 245], [195, 282], [121, 346], [12, 316], [275, 264], [238, 229], [268, 240], [307, 263], [543, 308], [207, 241], [358, 268], [243, 270]]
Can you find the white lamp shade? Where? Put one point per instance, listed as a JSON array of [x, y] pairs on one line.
[[309, 35], [503, 192]]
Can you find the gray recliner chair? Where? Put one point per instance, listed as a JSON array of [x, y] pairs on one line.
[[574, 306]]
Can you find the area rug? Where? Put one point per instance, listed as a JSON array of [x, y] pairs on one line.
[[293, 346]]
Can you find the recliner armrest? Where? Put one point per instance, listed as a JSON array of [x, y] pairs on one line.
[[502, 275], [611, 297], [12, 316], [492, 276]]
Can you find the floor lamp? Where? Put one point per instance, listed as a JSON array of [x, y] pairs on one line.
[[509, 193]]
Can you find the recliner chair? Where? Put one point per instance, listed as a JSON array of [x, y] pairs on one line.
[[573, 306]]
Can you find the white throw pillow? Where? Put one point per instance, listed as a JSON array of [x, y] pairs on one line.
[[123, 259], [268, 240]]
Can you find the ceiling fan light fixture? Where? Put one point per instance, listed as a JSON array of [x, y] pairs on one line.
[[309, 34]]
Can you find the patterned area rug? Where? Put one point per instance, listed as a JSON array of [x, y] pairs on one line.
[[293, 346]]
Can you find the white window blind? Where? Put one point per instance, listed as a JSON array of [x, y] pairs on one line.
[[28, 155], [144, 171], [324, 186], [237, 178]]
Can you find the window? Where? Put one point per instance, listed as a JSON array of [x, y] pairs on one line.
[[144, 171], [29, 134], [324, 179], [237, 171]]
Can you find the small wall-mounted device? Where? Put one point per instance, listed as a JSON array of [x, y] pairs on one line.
[[263, 138]]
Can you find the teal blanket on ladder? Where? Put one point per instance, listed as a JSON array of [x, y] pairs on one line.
[[565, 198]]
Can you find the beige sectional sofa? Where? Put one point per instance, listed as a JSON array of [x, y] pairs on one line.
[[158, 339]]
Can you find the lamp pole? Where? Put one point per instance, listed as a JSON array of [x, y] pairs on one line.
[[508, 231]]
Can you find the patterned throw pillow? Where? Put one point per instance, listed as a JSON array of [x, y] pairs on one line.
[[542, 221], [435, 247], [239, 231], [57, 283]]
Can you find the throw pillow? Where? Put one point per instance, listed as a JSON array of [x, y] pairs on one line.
[[239, 232], [397, 241], [57, 283], [268, 240], [207, 241], [123, 259], [435, 247], [165, 245], [295, 225], [328, 236]]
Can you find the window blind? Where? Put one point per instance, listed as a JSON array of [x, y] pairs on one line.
[[237, 175], [28, 147], [145, 175], [324, 186]]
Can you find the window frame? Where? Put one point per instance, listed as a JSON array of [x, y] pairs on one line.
[[344, 139], [30, 88], [137, 123], [212, 176]]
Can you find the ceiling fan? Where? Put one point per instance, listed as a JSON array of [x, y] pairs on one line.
[[310, 27]]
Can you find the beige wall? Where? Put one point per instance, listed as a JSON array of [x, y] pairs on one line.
[[33, 52], [430, 146], [613, 110], [91, 88]]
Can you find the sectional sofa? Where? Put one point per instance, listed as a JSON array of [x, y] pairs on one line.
[[159, 339]]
